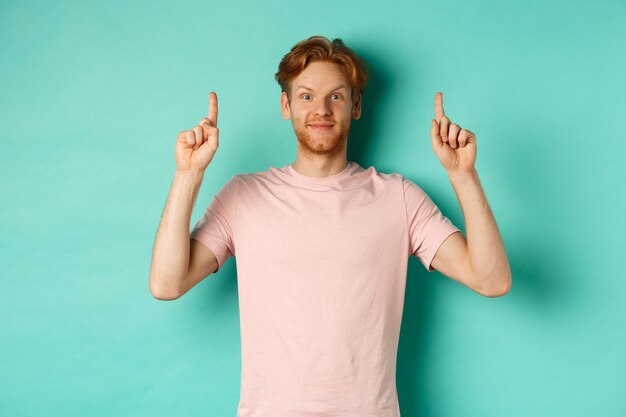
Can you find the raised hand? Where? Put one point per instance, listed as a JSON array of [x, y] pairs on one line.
[[455, 147], [195, 148]]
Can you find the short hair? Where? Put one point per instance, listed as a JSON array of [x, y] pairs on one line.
[[319, 48]]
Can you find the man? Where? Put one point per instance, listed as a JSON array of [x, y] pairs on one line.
[[322, 245]]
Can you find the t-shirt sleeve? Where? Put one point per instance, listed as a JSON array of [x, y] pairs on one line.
[[215, 228], [427, 226]]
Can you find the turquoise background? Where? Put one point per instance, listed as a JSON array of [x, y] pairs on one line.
[[93, 96]]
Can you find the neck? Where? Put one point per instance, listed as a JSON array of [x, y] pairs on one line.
[[320, 166]]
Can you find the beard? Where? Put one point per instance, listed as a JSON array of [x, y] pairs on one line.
[[322, 143]]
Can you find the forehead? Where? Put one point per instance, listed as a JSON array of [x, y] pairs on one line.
[[321, 75]]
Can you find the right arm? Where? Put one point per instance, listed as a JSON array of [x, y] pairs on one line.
[[178, 262]]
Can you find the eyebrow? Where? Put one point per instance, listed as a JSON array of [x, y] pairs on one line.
[[339, 87]]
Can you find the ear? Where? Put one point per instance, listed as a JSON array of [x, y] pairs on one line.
[[356, 108], [284, 106]]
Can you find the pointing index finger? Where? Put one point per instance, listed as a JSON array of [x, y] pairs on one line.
[[212, 113], [439, 106]]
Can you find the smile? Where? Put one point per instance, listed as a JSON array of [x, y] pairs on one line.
[[321, 127]]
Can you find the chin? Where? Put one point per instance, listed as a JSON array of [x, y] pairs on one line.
[[321, 145]]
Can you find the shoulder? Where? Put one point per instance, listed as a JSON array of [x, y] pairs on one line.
[[388, 177], [407, 185], [411, 186], [251, 178], [414, 195], [257, 181]]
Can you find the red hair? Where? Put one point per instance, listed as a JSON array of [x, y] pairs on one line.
[[319, 48]]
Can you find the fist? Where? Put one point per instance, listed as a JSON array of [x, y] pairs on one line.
[[195, 148]]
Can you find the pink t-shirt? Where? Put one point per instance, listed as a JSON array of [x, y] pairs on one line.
[[321, 272]]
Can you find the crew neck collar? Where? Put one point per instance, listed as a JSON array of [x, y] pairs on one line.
[[330, 179]]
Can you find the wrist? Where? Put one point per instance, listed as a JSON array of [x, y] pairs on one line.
[[189, 172], [193, 176], [460, 176]]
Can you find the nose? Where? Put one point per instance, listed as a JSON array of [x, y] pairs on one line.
[[322, 108]]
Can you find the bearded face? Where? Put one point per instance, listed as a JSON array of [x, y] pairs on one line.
[[320, 109], [321, 136]]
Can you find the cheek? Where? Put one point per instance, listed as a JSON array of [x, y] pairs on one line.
[[298, 116], [344, 111], [303, 114]]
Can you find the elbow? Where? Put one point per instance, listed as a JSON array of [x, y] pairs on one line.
[[495, 294], [502, 288], [161, 293]]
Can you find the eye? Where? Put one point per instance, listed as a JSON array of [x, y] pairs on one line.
[[305, 96], [339, 96]]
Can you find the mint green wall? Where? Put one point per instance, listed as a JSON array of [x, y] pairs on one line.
[[93, 96]]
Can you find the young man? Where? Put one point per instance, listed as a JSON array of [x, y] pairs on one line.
[[322, 245]]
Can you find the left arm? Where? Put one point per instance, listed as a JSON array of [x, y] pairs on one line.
[[479, 262], [481, 259]]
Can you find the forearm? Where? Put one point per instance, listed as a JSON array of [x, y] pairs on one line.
[[488, 257], [170, 255]]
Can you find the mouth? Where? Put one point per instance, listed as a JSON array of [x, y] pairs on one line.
[[321, 126]]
